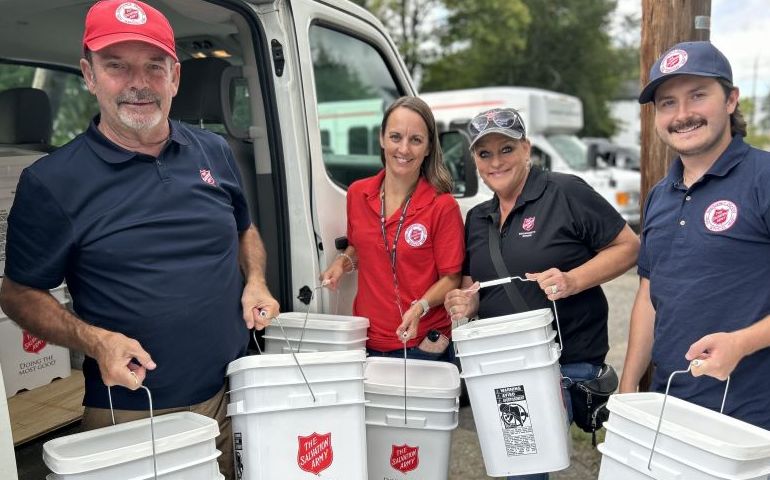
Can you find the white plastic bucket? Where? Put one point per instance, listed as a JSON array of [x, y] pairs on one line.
[[184, 444], [510, 366], [694, 442], [418, 446], [323, 333], [279, 432]]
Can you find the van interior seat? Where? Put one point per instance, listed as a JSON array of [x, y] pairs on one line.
[[205, 97], [25, 119]]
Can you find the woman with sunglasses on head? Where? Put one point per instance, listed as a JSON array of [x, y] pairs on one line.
[[405, 235], [552, 227]]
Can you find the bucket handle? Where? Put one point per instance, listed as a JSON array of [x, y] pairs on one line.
[[152, 422], [693, 363], [501, 281], [262, 313]]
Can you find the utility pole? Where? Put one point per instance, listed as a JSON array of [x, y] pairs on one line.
[[664, 24]]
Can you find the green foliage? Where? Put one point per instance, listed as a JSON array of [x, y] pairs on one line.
[[764, 122], [12, 76], [481, 42], [406, 22], [563, 46], [335, 80]]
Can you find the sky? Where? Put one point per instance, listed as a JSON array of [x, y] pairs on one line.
[[741, 30]]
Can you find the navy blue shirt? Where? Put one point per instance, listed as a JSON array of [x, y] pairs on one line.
[[558, 221], [148, 247], [706, 253]]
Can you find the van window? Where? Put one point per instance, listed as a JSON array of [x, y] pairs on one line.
[[72, 105], [571, 149], [353, 88], [539, 158]]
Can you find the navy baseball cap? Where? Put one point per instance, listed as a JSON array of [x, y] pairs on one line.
[[701, 59]]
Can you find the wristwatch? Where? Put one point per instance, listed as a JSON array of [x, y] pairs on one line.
[[424, 304]]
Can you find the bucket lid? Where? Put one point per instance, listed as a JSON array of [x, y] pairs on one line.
[[490, 327], [279, 338], [116, 444], [286, 360], [694, 425], [322, 321], [424, 378]]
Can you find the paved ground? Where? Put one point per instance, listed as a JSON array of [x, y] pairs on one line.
[[466, 461]]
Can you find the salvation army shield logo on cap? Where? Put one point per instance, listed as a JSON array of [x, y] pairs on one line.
[[404, 458], [315, 452], [673, 61], [131, 14], [720, 215], [416, 234], [30, 343]]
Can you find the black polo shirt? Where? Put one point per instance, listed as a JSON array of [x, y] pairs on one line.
[[148, 247], [558, 221]]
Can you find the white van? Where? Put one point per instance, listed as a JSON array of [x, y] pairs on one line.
[[552, 120], [259, 72]]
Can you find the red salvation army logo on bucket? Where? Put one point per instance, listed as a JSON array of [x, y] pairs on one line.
[[404, 458], [31, 343], [315, 452]]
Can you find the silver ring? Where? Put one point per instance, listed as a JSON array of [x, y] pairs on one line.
[[554, 289]]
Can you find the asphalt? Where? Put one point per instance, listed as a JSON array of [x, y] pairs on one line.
[[466, 460]]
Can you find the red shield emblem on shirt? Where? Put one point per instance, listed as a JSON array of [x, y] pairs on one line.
[[31, 343], [207, 177], [720, 215], [404, 458], [315, 452], [528, 224]]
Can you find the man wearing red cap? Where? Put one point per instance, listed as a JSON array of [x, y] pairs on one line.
[[146, 221]]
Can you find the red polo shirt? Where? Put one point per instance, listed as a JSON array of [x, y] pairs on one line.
[[431, 244]]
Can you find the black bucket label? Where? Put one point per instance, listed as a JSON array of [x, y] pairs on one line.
[[513, 409], [238, 454]]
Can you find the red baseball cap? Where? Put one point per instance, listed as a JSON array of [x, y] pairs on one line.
[[113, 21]]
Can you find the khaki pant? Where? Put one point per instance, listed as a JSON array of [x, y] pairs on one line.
[[215, 407]]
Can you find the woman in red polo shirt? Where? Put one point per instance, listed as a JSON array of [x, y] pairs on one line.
[[406, 237]]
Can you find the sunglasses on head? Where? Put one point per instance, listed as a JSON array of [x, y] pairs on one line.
[[501, 118]]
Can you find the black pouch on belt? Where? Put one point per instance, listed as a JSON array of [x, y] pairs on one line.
[[589, 400]]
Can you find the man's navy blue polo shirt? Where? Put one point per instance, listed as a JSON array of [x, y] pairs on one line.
[[558, 221], [148, 247], [706, 252]]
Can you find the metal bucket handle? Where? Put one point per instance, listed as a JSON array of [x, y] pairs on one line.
[[262, 313], [693, 363], [500, 281], [152, 422]]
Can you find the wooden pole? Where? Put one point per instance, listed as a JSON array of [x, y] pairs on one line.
[[664, 24]]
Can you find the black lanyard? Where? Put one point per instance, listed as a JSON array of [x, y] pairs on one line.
[[392, 252]]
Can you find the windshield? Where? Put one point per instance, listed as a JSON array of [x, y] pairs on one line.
[[571, 149]]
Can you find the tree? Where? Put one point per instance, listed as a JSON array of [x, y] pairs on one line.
[[569, 50], [764, 122], [563, 46], [480, 42], [406, 20]]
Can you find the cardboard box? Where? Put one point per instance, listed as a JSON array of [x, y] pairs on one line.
[[27, 361]]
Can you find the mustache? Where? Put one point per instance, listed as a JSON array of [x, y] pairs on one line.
[[687, 123], [136, 96]]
